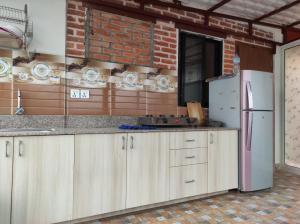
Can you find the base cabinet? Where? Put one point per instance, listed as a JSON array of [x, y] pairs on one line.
[[6, 169], [187, 181], [147, 169], [52, 179], [42, 179], [222, 160], [100, 174]]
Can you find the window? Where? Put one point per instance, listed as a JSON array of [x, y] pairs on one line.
[[199, 58]]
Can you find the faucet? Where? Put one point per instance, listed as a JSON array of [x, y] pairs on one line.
[[19, 110]]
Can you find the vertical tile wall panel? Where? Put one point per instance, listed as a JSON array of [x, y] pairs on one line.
[[5, 81]]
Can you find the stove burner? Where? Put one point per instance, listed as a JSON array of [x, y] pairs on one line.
[[168, 121]]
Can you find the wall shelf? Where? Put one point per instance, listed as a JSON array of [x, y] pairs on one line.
[[18, 18]]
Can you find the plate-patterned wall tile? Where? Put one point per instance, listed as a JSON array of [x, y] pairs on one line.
[[5, 82], [128, 91], [40, 78], [162, 93], [93, 76]]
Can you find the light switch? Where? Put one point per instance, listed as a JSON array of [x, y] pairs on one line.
[[75, 93], [84, 94]]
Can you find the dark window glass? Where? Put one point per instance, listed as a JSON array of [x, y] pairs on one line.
[[200, 58]]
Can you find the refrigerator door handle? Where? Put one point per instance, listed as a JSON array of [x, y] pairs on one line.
[[249, 95], [249, 131]]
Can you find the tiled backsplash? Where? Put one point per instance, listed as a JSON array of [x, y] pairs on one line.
[[45, 83]]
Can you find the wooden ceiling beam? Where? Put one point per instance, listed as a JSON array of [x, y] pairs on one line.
[[294, 24], [216, 6], [276, 11]]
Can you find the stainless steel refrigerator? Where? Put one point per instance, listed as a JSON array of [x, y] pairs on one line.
[[246, 102]]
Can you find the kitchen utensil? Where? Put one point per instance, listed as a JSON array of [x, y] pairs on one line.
[[195, 110]]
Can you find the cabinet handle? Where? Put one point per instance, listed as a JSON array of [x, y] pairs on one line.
[[20, 146], [124, 142], [189, 181], [211, 141], [131, 145], [190, 157], [190, 140], [6, 149]]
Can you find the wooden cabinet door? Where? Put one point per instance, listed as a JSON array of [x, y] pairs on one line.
[[147, 169], [100, 174], [42, 179], [6, 162], [222, 160]]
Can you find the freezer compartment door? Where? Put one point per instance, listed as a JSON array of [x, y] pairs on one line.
[[257, 150], [224, 101], [257, 90]]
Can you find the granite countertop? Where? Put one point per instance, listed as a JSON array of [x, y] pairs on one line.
[[75, 131]]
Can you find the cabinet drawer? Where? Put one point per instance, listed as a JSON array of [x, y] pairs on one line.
[[181, 140], [186, 181], [183, 157]]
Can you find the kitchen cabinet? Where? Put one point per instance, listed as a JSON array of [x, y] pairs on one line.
[[147, 169], [6, 163], [100, 174], [188, 181], [42, 179], [187, 140], [222, 160]]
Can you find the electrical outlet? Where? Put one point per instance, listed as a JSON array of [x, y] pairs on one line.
[[75, 93], [84, 94]]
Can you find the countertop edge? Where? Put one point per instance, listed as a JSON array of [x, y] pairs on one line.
[[78, 131]]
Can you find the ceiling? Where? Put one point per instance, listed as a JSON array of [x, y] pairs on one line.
[[252, 9]]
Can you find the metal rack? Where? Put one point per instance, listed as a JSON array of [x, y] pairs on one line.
[[18, 16]]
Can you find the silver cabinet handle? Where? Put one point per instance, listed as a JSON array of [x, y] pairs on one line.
[[190, 157], [20, 150], [190, 140], [189, 181], [6, 149], [211, 141], [124, 142], [131, 146]]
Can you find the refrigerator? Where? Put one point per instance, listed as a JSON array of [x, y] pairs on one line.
[[246, 102]]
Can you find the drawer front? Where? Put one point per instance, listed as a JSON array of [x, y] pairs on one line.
[[188, 140], [186, 181], [184, 157]]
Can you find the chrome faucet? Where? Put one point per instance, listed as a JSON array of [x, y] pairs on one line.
[[19, 110]]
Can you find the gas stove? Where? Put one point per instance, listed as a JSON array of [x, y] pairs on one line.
[[168, 121]]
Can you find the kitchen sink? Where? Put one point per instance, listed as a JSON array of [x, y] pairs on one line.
[[26, 129]]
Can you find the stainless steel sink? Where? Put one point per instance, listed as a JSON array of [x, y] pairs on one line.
[[26, 129]]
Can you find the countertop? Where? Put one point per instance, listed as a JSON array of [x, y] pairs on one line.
[[77, 131]]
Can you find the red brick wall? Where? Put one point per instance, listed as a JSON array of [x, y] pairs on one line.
[[75, 29], [114, 41], [121, 39]]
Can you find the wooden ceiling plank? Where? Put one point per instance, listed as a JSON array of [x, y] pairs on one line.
[[219, 5], [276, 11], [294, 24], [205, 12]]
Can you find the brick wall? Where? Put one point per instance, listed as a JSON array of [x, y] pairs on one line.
[[75, 29], [121, 39]]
